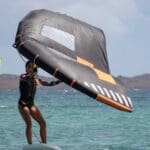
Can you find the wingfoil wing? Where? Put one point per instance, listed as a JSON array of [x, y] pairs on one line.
[[74, 52]]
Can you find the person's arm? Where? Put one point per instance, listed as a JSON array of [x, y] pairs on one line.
[[52, 83]]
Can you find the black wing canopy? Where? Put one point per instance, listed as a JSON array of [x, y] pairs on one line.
[[72, 51]]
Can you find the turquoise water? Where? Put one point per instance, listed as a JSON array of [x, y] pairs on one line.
[[77, 122]]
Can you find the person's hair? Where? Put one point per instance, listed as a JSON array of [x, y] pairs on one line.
[[29, 62]]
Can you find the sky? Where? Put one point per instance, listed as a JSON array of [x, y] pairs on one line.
[[126, 24]]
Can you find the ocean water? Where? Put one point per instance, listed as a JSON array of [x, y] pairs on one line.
[[77, 122]]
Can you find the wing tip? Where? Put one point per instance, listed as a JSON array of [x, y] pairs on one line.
[[113, 103]]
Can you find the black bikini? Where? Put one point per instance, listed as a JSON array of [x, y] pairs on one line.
[[28, 89]]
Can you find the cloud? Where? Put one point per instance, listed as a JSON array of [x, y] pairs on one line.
[[110, 15]]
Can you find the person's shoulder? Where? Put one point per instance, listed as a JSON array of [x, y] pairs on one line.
[[23, 76]]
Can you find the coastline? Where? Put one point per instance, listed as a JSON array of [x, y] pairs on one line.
[[137, 82]]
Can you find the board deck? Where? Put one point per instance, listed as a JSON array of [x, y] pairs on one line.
[[41, 147]]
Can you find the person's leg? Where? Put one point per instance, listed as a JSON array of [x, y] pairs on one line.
[[25, 113], [36, 114]]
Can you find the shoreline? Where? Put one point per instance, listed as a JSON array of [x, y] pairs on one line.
[[10, 81]]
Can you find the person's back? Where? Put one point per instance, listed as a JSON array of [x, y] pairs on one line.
[[27, 108], [27, 90]]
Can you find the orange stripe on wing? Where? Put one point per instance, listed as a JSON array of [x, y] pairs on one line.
[[113, 103], [72, 83], [101, 75], [56, 71], [84, 62], [104, 76]]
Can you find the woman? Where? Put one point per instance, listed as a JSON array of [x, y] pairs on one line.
[[27, 108]]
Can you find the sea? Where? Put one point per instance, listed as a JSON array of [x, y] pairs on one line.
[[77, 122]]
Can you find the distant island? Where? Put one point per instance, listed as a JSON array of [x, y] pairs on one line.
[[9, 81], [136, 82]]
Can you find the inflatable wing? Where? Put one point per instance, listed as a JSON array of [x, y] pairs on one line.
[[72, 51]]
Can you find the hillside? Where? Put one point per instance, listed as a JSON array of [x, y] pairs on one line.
[[12, 81], [136, 82]]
